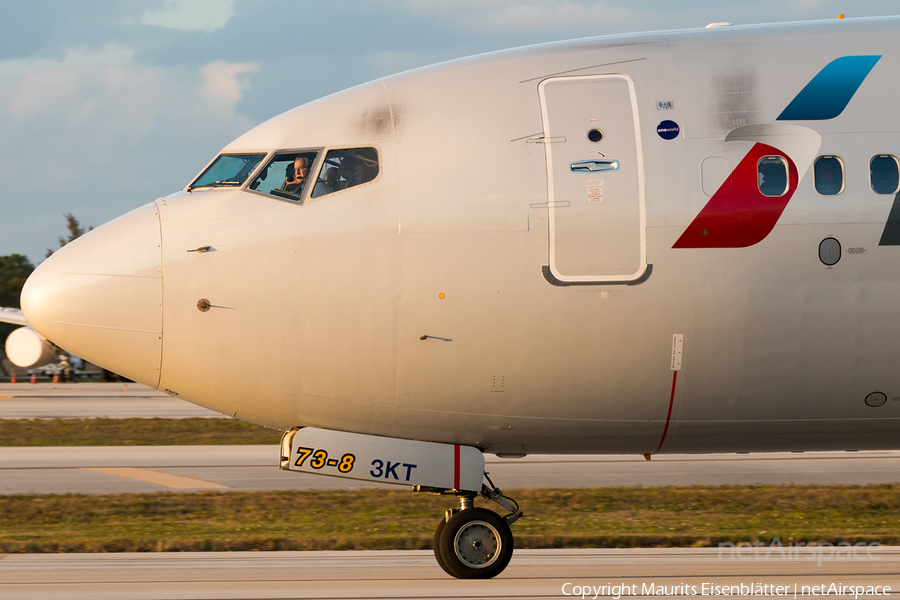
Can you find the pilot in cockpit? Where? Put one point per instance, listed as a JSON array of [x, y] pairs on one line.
[[295, 177]]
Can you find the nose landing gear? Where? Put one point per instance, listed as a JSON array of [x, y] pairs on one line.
[[475, 543]]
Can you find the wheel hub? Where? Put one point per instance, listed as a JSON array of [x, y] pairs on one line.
[[477, 544]]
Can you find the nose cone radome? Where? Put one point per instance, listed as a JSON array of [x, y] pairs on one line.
[[100, 297]]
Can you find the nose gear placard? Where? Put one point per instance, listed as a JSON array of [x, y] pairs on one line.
[[383, 459]]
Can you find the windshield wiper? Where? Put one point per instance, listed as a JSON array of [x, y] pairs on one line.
[[223, 183]]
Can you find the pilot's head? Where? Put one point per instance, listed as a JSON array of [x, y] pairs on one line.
[[301, 167]]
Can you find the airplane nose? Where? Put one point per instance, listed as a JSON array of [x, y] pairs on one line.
[[100, 297]]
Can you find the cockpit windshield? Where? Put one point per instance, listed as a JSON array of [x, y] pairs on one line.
[[228, 170], [292, 174], [286, 175]]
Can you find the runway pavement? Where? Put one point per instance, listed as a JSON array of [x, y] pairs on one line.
[[532, 574], [101, 470]]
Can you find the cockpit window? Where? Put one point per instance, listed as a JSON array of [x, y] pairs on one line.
[[343, 169], [286, 175], [229, 170]]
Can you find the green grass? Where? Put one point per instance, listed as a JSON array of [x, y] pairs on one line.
[[132, 432], [380, 519]]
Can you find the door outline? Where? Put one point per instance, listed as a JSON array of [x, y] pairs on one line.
[[642, 270]]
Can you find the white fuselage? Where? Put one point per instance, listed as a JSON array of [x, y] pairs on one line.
[[318, 308]]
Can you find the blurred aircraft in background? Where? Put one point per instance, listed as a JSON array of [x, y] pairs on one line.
[[27, 349]]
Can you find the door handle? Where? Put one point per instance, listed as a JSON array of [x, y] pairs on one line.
[[593, 166]]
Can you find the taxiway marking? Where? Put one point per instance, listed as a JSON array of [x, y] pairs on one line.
[[175, 482]]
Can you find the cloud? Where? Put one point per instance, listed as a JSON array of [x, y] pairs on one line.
[[532, 16], [91, 99], [81, 87], [109, 54], [221, 87], [72, 85], [191, 15], [97, 136], [569, 17]]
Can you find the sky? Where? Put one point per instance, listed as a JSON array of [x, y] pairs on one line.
[[107, 105]]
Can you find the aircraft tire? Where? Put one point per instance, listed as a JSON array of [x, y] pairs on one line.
[[475, 544], [436, 544]]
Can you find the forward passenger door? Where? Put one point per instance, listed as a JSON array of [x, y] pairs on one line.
[[595, 178]]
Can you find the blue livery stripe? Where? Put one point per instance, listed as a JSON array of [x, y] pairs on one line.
[[891, 234], [827, 95]]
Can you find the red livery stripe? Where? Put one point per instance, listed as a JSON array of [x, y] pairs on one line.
[[668, 416], [456, 466], [739, 215]]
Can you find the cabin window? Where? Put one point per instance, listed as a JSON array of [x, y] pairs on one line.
[[228, 170], [829, 175], [346, 168], [884, 173], [772, 176], [287, 175]]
